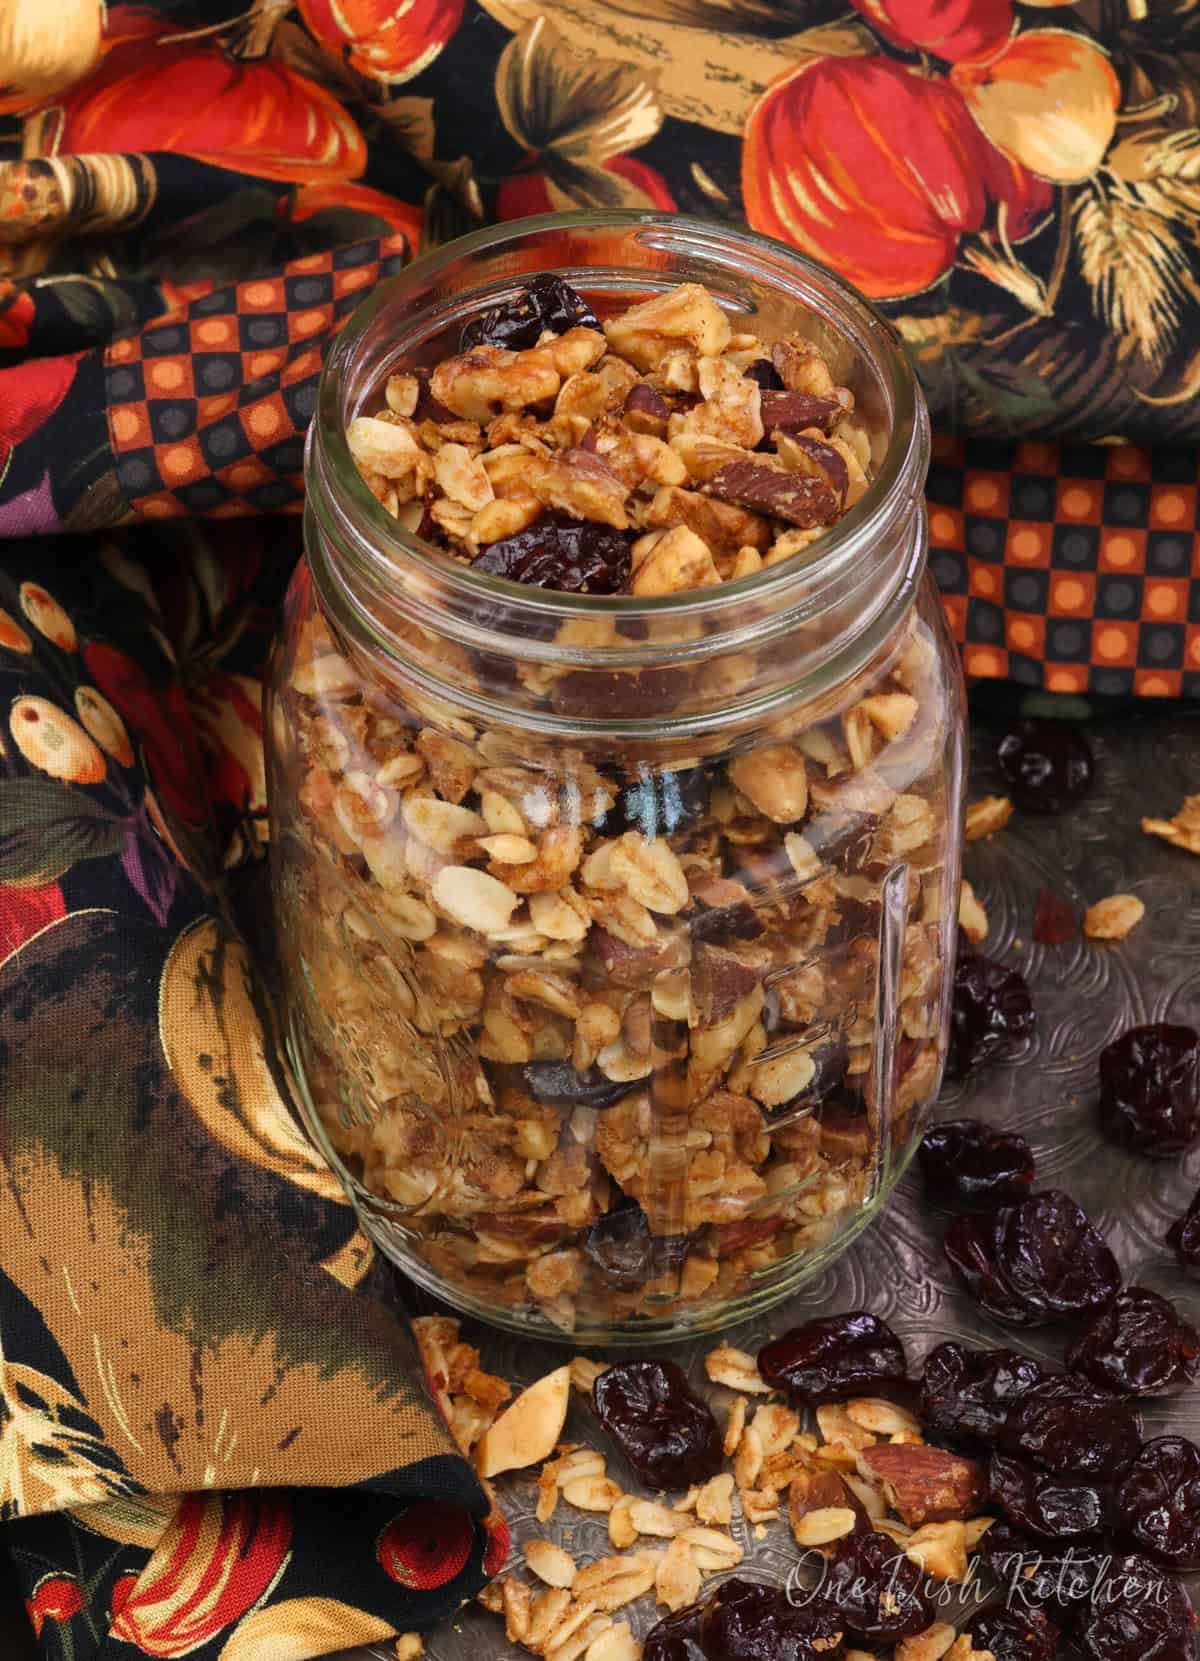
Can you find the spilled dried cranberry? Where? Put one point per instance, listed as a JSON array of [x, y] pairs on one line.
[[1054, 920], [835, 1357], [991, 1009], [1069, 1427], [969, 1165], [1138, 1345], [967, 1394], [1183, 1237], [1150, 1089], [1137, 1613], [622, 1250], [1046, 1506], [876, 1591], [573, 556], [1038, 1261], [547, 303], [746, 1620], [1047, 766], [1158, 1502], [1016, 1634], [1040, 1574], [668, 1434], [676, 1637]]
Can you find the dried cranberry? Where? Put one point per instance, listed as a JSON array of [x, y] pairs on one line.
[[1048, 1507], [968, 1164], [1138, 1345], [765, 375], [968, 1393], [659, 803], [1183, 1236], [1048, 766], [875, 1590], [547, 303], [1016, 1634], [622, 1250], [574, 556], [1069, 1427], [1137, 1613], [746, 1620], [835, 1357], [1038, 1261], [676, 1637], [557, 1084], [1037, 1574], [668, 1435], [991, 1008], [1053, 919], [1150, 1089], [1158, 1502], [843, 839]]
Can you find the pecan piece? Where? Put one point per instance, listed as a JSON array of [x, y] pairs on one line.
[[725, 527], [773, 490], [925, 1485], [583, 485]]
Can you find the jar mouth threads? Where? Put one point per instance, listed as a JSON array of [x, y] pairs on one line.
[[383, 584]]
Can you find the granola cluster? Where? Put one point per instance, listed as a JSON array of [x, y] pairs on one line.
[[601, 1035], [711, 454], [864, 1464]]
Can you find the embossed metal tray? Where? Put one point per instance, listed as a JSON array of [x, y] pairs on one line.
[[1085, 995]]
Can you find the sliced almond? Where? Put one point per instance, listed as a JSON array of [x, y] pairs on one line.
[[616, 1643], [547, 1610], [648, 1517], [986, 816], [827, 1523], [711, 1549], [1113, 918], [615, 1581], [529, 1429], [591, 1493], [882, 1418], [736, 1370], [550, 1563], [677, 1581], [940, 1549]]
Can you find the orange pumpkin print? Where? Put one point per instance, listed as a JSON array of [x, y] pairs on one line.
[[389, 40], [873, 168], [1049, 100], [189, 96]]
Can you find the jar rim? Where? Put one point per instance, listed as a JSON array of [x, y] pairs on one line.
[[897, 480]]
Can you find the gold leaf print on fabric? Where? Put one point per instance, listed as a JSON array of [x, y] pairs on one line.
[[213, 1039], [46, 45], [48, 1460], [582, 108], [1137, 264], [300, 1627], [710, 76]]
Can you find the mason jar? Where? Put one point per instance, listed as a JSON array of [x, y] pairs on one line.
[[682, 1060]]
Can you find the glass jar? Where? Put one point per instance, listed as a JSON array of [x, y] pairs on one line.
[[679, 1060]]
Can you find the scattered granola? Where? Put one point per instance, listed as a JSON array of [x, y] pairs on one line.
[[1182, 830], [986, 816], [1113, 918]]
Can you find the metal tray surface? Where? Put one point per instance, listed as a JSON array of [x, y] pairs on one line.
[[1085, 994]]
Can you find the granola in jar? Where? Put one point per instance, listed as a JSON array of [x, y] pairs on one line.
[[617, 999]]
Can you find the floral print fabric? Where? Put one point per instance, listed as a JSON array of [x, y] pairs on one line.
[[213, 1440]]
